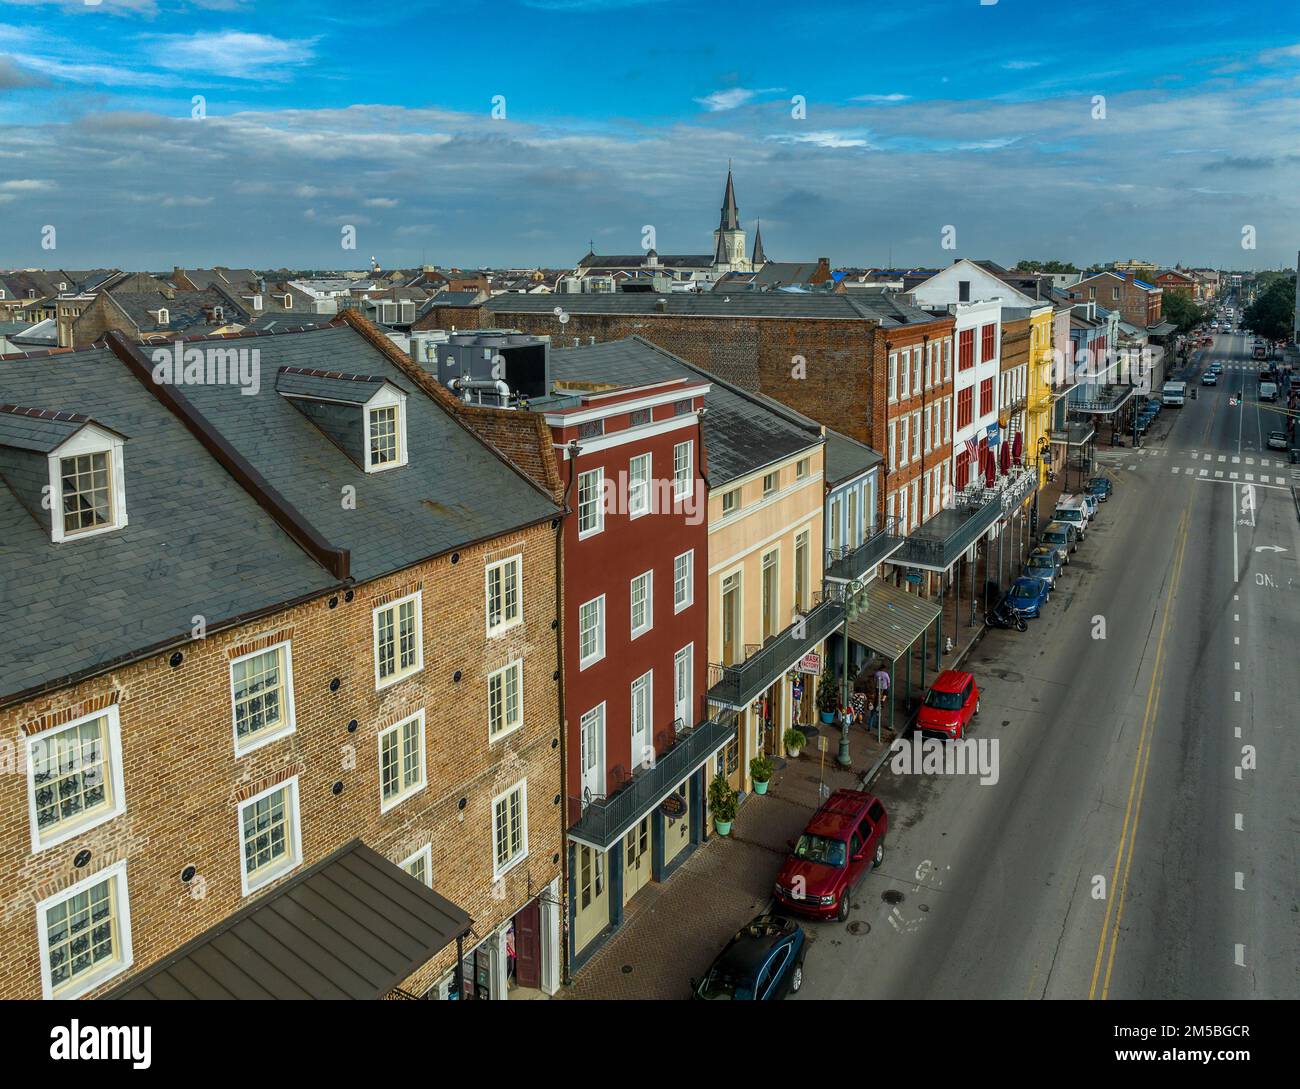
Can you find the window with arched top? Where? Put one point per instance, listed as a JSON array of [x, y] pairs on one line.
[[163, 317]]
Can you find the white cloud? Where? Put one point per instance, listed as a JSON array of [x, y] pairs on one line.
[[25, 185], [1021, 65], [825, 139], [381, 202], [880, 98], [730, 99], [231, 53]]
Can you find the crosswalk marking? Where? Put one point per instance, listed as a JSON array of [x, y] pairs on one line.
[[1236, 460], [1132, 466], [1263, 461], [1250, 461], [1218, 474], [1232, 476], [1223, 457], [1175, 469], [1205, 472], [1250, 476], [1279, 480]]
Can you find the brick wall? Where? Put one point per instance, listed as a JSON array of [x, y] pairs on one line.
[[183, 780]]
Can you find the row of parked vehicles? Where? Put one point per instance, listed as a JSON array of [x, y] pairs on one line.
[[845, 838]]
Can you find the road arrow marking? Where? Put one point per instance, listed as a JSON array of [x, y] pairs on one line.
[[1269, 548]]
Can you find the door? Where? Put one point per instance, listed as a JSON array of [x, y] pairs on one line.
[[636, 853], [732, 651], [591, 914], [858, 861], [592, 733], [528, 946], [683, 664], [643, 753]]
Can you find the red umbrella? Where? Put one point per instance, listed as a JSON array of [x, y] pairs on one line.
[[1006, 460], [1017, 450], [989, 470]]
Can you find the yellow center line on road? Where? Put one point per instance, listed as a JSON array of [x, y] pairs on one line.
[[1137, 783]]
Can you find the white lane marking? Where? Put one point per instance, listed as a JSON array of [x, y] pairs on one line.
[[1250, 461], [1236, 461], [1232, 476], [1132, 466], [1240, 879], [1236, 697], [1218, 474], [1263, 461], [1174, 469], [1278, 479], [1236, 640], [1236, 665], [1205, 472], [1223, 457], [1236, 731], [1239, 955], [1236, 772], [1238, 822], [1250, 476]]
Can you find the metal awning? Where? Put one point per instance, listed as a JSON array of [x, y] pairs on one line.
[[1075, 434], [894, 620], [352, 926]]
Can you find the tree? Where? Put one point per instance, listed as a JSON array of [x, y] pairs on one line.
[[1182, 311], [1272, 313], [1046, 266]]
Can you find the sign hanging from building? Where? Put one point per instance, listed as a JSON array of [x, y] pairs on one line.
[[810, 663]]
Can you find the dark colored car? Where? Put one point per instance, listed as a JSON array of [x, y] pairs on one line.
[[952, 701], [1044, 566], [763, 962], [1100, 486], [1061, 536], [842, 842], [1028, 595]]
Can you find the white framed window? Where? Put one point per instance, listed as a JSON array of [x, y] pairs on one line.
[[902, 510], [398, 640], [509, 828], [916, 369], [505, 700], [638, 486], [914, 504], [683, 683], [591, 631], [903, 444], [916, 434], [770, 483], [947, 358], [905, 374], [591, 508], [642, 603], [401, 761], [683, 470], [801, 468], [893, 445], [684, 581], [504, 594], [261, 697], [270, 842], [893, 376], [730, 501], [84, 933], [420, 865], [87, 481], [163, 316], [74, 777], [385, 437]]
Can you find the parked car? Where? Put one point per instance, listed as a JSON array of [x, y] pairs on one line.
[[949, 705], [1092, 502], [1028, 595], [1062, 537], [763, 962], [1277, 440], [1042, 555], [842, 842], [1100, 486], [1043, 567], [1210, 378], [1074, 510]]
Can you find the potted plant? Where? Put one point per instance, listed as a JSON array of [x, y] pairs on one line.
[[760, 770], [827, 695], [795, 740], [722, 803]]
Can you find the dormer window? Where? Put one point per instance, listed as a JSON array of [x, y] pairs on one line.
[[218, 313], [163, 317], [288, 302], [63, 285], [385, 431]]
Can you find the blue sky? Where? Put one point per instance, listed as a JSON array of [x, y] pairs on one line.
[[623, 113]]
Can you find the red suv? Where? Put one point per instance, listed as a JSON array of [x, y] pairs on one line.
[[844, 840], [952, 701]]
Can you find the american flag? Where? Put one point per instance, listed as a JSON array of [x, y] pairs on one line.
[[973, 449]]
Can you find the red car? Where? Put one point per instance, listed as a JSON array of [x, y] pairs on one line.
[[842, 843], [952, 701]]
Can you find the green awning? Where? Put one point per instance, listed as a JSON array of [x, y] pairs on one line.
[[894, 621]]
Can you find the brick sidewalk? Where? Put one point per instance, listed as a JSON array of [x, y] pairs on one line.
[[673, 931]]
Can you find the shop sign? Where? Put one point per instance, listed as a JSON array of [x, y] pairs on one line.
[[810, 663]]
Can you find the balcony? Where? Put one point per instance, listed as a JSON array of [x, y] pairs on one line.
[[850, 564], [738, 685], [1104, 399], [602, 821], [939, 543]]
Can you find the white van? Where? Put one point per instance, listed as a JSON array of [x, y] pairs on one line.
[[1268, 391], [1173, 393], [1073, 509]]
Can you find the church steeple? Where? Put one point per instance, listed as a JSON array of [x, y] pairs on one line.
[[729, 238], [759, 258], [730, 213]]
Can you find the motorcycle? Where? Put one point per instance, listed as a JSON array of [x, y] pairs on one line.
[[1003, 615]]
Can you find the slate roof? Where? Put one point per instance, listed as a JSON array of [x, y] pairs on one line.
[[453, 298], [42, 334], [743, 432], [355, 389], [637, 260], [764, 304], [280, 321], [195, 541], [184, 310], [38, 430], [845, 458]]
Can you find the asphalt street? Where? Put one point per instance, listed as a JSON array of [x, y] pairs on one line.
[[1141, 839]]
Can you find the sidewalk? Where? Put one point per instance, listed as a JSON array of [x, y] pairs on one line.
[[673, 931]]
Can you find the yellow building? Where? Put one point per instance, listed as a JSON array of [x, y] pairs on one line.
[[767, 620], [1038, 414]]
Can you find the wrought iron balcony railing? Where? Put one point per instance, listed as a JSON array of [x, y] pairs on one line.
[[850, 564]]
